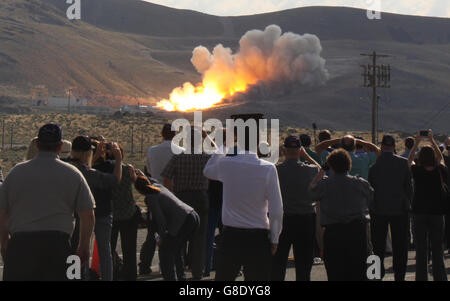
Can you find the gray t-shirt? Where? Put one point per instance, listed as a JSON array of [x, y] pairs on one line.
[[42, 195], [295, 178], [343, 199]]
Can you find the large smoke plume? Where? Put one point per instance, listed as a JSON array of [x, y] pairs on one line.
[[266, 58]]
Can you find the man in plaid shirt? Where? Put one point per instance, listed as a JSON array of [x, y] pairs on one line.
[[184, 176]]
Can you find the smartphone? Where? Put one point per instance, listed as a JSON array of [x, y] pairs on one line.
[[424, 133], [108, 146]]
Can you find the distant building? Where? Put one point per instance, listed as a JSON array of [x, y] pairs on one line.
[[58, 102], [136, 109]]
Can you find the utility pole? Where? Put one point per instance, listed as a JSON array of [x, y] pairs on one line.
[[314, 125], [132, 139], [68, 100], [12, 134], [376, 76], [3, 135]]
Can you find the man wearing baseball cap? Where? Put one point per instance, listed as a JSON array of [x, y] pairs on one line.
[[299, 213], [37, 204], [391, 178]]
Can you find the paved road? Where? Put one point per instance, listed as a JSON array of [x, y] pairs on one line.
[[318, 271]]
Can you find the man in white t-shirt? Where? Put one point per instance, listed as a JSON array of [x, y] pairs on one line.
[[158, 156]]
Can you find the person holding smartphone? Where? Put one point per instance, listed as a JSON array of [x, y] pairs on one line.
[[428, 206]]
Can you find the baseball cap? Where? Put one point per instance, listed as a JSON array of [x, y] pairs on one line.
[[388, 140], [50, 133], [82, 144], [65, 151], [292, 142]]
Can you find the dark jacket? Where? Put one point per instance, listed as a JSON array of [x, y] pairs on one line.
[[392, 180], [167, 210]]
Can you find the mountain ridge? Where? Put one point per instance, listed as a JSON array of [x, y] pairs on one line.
[[117, 49]]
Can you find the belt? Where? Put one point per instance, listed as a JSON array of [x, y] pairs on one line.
[[241, 230], [35, 234], [298, 214], [350, 223]]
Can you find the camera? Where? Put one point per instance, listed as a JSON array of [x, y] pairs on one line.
[[424, 133]]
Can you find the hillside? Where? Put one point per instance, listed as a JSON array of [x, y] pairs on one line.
[[135, 48]]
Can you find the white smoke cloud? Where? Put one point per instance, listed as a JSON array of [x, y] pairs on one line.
[[267, 63], [265, 56]]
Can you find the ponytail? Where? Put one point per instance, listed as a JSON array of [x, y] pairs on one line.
[[144, 187]]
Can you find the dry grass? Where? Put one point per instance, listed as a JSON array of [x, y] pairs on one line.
[[146, 129]]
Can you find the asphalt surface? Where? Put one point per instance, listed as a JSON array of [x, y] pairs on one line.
[[318, 271]]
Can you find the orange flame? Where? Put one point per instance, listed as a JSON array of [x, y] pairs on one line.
[[211, 92]]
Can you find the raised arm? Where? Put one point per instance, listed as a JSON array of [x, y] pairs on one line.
[[369, 147], [212, 170], [437, 151], [412, 154], [118, 165], [317, 179], [304, 154], [324, 145]]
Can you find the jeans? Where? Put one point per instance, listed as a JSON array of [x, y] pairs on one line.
[[399, 230], [149, 246], [196, 251], [213, 221], [128, 239], [429, 229], [103, 227], [170, 249], [345, 251], [299, 232], [248, 248], [37, 256]]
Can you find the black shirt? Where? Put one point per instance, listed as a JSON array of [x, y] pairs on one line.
[[428, 190]]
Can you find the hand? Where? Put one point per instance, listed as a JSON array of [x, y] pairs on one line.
[[273, 249], [132, 172], [430, 135], [101, 149], [3, 251], [84, 253], [418, 138], [302, 152], [116, 152], [322, 173]]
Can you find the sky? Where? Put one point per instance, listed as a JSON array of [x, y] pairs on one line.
[[432, 8]]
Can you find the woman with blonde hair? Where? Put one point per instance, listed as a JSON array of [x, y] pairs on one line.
[[32, 150], [101, 185]]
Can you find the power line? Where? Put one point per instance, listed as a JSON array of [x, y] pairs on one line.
[[436, 116]]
